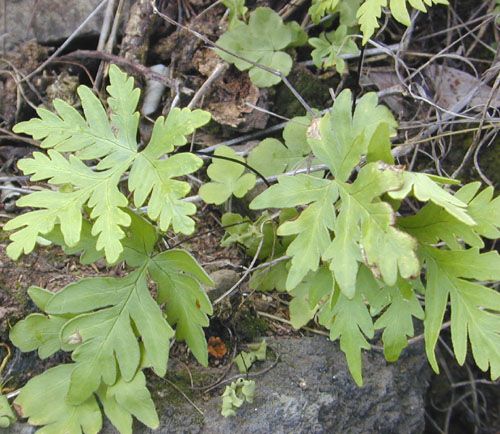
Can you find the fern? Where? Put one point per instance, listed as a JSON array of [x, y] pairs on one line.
[[355, 264], [371, 10], [113, 141], [342, 244], [112, 326], [100, 320], [319, 8], [329, 46]]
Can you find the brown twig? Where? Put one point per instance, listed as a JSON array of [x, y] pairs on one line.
[[133, 67]]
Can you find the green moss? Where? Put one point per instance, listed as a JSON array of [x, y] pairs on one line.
[[314, 91], [488, 160], [249, 328], [164, 394]]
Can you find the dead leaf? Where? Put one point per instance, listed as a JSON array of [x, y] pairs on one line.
[[451, 85]]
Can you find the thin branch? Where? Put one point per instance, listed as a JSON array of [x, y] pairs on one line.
[[207, 41], [134, 67]]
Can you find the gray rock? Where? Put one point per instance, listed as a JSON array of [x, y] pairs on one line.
[[48, 21], [310, 390], [223, 279]]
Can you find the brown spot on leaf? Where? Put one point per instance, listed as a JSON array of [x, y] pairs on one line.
[[313, 132], [18, 409]]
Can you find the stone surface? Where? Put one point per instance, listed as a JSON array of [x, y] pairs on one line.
[[309, 391], [48, 21]]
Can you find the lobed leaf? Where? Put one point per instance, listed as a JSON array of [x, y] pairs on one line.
[[113, 141], [261, 41], [339, 139], [329, 47], [43, 402], [349, 321], [179, 279], [227, 178], [103, 331], [123, 400], [474, 307]]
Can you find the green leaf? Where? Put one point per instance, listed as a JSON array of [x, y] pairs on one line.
[[7, 416], [339, 139], [320, 8], [425, 189], [236, 394], [311, 227], [349, 321], [309, 295], [368, 15], [433, 223], [292, 191], [103, 330], [485, 211], [371, 10], [260, 41], [271, 157], [299, 35], [365, 230], [397, 319], [124, 399], [245, 359], [43, 401], [474, 307], [400, 12], [329, 47], [152, 176], [237, 10], [227, 178], [91, 136], [347, 10], [344, 251], [85, 247], [243, 231], [179, 279], [38, 332], [112, 141], [271, 278]]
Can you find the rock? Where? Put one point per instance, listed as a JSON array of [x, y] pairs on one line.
[[310, 390], [49, 21], [223, 279]]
